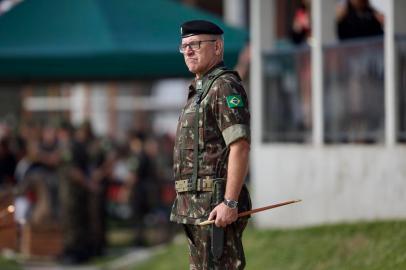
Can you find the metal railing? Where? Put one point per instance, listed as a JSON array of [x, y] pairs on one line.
[[354, 91], [287, 96], [401, 93]]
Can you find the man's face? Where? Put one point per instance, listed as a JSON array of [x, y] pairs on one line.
[[199, 61]]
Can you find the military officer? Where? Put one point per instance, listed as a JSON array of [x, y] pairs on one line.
[[211, 152]]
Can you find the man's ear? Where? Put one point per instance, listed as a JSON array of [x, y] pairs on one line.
[[218, 47]]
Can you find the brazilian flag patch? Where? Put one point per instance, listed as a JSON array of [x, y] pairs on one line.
[[235, 101]]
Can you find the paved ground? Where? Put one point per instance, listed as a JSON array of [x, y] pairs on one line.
[[130, 258]]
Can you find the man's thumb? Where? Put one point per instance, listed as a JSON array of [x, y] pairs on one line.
[[212, 215]]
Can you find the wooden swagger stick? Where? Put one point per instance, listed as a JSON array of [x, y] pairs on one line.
[[253, 211]]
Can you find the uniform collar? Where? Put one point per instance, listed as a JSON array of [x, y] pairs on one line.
[[218, 65], [192, 86]]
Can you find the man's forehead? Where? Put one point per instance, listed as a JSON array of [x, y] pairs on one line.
[[196, 38]]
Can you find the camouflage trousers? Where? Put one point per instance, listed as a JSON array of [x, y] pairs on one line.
[[200, 256]]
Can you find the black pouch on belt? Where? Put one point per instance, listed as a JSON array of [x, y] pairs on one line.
[[217, 233]]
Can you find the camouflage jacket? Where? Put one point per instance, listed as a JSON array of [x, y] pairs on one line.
[[223, 118]]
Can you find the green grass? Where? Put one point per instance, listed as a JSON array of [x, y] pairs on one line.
[[361, 246], [8, 264]]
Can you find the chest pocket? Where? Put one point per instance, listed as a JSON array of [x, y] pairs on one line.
[[187, 129]]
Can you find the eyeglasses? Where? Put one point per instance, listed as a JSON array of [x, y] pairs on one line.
[[194, 45]]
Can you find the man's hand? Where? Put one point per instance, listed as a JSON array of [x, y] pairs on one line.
[[223, 215]]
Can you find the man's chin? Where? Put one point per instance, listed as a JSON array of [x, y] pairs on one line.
[[193, 70]]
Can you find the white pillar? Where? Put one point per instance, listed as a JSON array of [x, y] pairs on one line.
[[399, 15], [267, 17], [77, 103], [323, 32], [328, 21], [99, 108], [256, 70], [317, 73], [234, 12], [262, 37], [390, 76]]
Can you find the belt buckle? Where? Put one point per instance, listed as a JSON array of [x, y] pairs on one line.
[[205, 184]]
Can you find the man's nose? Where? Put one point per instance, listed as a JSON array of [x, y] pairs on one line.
[[189, 50]]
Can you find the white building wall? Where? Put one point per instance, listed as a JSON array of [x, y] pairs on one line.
[[234, 12], [77, 101], [336, 183]]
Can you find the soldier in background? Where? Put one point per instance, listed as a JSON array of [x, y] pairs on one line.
[[138, 186], [8, 163], [38, 177], [100, 171], [77, 245], [49, 159]]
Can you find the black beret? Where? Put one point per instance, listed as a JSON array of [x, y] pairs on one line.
[[197, 27]]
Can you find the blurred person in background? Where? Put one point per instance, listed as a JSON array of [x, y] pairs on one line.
[[100, 173], [300, 34], [22, 204], [243, 64], [77, 188], [27, 168], [357, 18], [8, 163], [120, 174], [37, 176], [164, 164], [138, 185], [357, 105], [301, 25], [49, 158]]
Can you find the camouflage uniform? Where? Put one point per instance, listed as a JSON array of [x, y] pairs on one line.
[[223, 118]]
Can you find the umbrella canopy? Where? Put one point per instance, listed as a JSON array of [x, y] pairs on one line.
[[100, 39]]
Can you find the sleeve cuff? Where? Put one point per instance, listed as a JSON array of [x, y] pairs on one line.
[[235, 132]]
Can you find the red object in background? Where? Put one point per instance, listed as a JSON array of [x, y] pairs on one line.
[[302, 18], [168, 193], [114, 191], [32, 197]]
